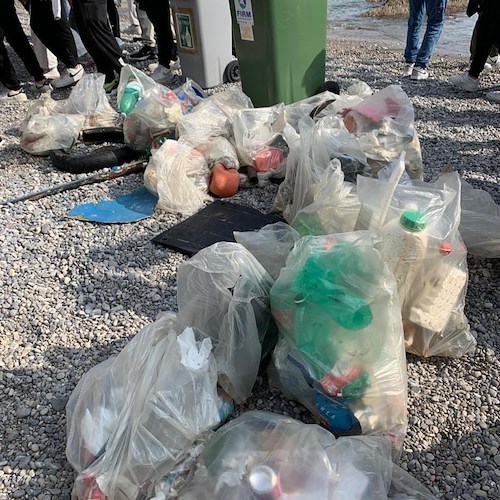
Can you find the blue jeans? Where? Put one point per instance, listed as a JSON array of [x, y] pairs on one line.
[[435, 10]]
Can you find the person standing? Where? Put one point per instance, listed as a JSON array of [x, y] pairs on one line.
[[417, 56], [487, 34]]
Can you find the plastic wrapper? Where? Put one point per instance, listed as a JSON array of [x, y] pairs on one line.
[[265, 455], [88, 98], [213, 117], [341, 350], [335, 207], [360, 89], [479, 222], [189, 94], [224, 292], [258, 135], [384, 125], [179, 175], [43, 134], [270, 245], [310, 155], [155, 115], [217, 150], [429, 261], [132, 418]]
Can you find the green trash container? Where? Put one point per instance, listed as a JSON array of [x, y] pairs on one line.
[[281, 48]]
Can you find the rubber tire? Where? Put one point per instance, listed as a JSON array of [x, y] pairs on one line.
[[106, 157], [103, 134], [232, 72]]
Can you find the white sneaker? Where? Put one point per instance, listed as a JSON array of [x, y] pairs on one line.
[[175, 65], [419, 74], [52, 74], [408, 69], [493, 61], [465, 82], [162, 75], [70, 78], [494, 96], [14, 95]]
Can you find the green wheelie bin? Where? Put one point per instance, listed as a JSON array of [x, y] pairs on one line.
[[281, 48]]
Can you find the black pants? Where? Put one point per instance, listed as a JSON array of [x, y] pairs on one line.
[[7, 73], [487, 34], [55, 35], [13, 32], [91, 17], [114, 18], [158, 12], [473, 44]]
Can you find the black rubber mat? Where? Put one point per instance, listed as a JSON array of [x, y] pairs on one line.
[[213, 224]]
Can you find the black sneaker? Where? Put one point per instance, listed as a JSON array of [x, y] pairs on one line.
[[144, 54]]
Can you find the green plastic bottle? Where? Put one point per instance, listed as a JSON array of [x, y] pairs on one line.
[[131, 95]]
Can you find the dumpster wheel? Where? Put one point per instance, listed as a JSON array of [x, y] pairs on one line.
[[232, 72]]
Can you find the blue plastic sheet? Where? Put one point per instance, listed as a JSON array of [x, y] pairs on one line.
[[131, 207]]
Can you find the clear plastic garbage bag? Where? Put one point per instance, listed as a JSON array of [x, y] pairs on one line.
[[224, 292], [341, 350], [213, 117], [335, 207], [270, 245], [88, 98], [44, 106], [45, 133], [296, 111], [179, 175], [265, 455], [420, 242], [145, 84], [131, 418], [217, 150]]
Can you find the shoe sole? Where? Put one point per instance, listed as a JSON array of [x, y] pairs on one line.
[[419, 77]]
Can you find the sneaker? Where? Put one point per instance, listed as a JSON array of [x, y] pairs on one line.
[[70, 78], [465, 82], [493, 61], [134, 30], [14, 95], [144, 54], [419, 74], [112, 85], [408, 69], [43, 86], [119, 41], [162, 75], [52, 74], [494, 96], [175, 64]]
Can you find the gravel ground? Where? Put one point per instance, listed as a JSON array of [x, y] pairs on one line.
[[75, 293]]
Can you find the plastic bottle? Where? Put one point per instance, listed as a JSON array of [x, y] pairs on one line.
[[404, 244], [131, 95], [441, 287]]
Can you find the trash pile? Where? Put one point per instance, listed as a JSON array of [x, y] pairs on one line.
[[369, 262]]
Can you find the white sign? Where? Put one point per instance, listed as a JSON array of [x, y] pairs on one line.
[[246, 32], [244, 12]]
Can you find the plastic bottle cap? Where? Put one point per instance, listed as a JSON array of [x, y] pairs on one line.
[[413, 220], [445, 248]]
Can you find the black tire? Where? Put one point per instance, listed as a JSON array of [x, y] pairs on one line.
[[106, 157], [232, 72], [331, 86], [103, 134]]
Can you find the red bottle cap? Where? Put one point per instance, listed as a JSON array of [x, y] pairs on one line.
[[445, 248]]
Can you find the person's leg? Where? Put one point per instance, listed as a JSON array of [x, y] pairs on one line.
[[8, 75], [45, 58], [147, 29], [91, 18], [436, 10], [416, 15], [17, 39], [55, 35], [132, 13], [114, 18]]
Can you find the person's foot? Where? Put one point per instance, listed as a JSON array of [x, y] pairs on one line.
[[419, 73], [144, 54], [162, 75], [134, 30], [52, 74], [43, 86], [493, 61], [408, 69], [109, 87], [465, 82], [175, 65], [70, 78], [494, 96], [17, 95]]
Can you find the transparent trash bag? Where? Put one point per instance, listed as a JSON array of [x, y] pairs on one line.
[[310, 155], [131, 418], [420, 242], [258, 136], [296, 111], [224, 292], [479, 222], [88, 98], [45, 133], [43, 106], [384, 125], [217, 150], [144, 83], [341, 351], [179, 175], [265, 455], [270, 245], [335, 205], [213, 117]]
